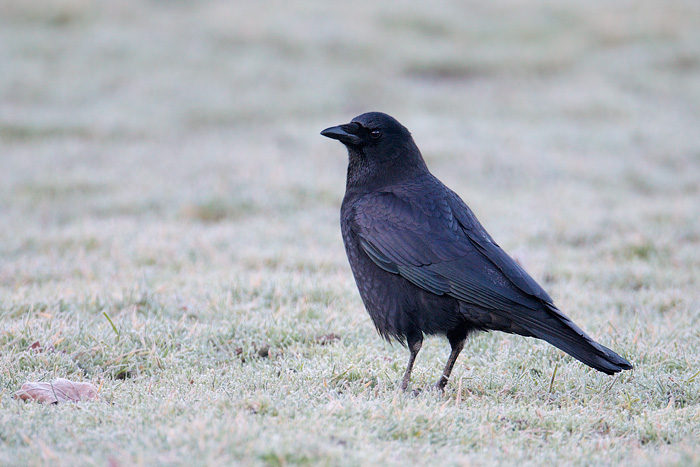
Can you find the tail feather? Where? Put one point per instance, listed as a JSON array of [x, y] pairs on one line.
[[564, 334], [551, 325], [592, 354]]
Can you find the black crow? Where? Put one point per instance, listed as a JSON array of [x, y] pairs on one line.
[[425, 265]]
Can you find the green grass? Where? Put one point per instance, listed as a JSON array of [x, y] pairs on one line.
[[169, 229]]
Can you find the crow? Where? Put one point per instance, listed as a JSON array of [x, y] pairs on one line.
[[423, 263]]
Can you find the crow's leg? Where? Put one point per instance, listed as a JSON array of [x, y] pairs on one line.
[[414, 345], [457, 345]]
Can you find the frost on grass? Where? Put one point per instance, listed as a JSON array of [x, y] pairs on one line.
[[61, 390]]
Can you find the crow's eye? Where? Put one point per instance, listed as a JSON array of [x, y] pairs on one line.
[[375, 134]]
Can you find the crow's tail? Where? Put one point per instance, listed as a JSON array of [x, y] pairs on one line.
[[550, 324], [563, 333]]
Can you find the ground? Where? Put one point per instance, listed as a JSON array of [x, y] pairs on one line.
[[169, 228]]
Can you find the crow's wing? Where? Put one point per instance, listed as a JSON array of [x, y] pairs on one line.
[[437, 243]]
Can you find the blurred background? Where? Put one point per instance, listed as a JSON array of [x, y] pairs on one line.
[[139, 137]]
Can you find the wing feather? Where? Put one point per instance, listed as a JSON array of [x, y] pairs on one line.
[[442, 251]]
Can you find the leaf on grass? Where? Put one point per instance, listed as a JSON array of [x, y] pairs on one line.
[[36, 345], [264, 351], [327, 339], [61, 390], [38, 348]]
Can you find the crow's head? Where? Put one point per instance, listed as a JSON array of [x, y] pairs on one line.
[[375, 134], [378, 145]]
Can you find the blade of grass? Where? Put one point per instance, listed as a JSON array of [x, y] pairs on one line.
[[554, 374], [116, 331]]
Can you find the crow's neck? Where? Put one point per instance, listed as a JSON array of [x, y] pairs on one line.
[[367, 175], [359, 171]]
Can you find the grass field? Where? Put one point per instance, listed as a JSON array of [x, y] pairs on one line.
[[169, 228]]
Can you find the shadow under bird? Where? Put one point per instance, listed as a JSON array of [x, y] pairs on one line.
[[425, 265]]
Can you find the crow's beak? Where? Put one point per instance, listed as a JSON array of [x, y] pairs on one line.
[[346, 134]]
